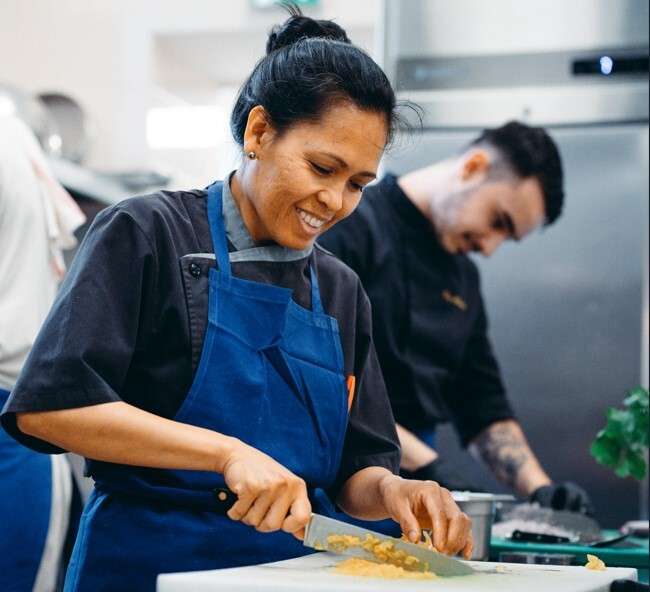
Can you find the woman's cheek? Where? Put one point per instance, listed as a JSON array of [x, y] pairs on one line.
[[350, 205]]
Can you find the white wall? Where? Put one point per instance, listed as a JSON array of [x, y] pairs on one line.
[[114, 55]]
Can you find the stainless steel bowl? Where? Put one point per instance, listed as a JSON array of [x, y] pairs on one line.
[[480, 508]]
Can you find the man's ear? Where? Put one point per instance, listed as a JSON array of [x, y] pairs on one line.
[[259, 130], [477, 163]]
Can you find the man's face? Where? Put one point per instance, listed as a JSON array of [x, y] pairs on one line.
[[480, 216]]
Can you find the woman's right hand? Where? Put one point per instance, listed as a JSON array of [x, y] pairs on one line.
[[270, 497]]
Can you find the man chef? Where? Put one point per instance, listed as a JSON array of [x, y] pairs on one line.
[[409, 241]]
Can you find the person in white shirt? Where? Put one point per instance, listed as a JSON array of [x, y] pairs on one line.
[[37, 221]]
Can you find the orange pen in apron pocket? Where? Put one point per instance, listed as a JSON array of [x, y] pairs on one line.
[[352, 381]]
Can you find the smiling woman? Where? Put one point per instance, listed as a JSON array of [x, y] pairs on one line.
[[216, 367], [314, 118], [301, 183]]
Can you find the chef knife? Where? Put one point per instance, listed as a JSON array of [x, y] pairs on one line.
[[320, 528]]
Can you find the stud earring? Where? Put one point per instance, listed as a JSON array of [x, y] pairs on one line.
[[252, 155]]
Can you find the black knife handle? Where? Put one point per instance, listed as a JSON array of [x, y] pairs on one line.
[[535, 537]]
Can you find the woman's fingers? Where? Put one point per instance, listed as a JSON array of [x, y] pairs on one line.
[[436, 511], [459, 525], [259, 508], [298, 517], [469, 546], [265, 490], [276, 513], [458, 534], [407, 520], [241, 506], [283, 508], [418, 504]]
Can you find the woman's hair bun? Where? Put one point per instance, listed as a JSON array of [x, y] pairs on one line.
[[298, 26], [309, 66]]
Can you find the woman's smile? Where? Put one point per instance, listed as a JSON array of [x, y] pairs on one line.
[[310, 223]]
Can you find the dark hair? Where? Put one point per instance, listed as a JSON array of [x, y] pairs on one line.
[[309, 65], [531, 152]]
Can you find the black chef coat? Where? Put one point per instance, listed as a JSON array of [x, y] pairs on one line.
[[429, 322], [129, 321]]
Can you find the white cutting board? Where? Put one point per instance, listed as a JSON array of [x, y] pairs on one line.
[[313, 573]]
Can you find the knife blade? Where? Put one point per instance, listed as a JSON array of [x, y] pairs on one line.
[[320, 528]]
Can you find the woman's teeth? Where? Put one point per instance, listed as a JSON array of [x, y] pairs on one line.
[[309, 219]]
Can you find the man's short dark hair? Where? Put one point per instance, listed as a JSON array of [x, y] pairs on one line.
[[530, 152]]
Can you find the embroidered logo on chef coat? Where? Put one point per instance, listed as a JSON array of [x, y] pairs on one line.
[[454, 299]]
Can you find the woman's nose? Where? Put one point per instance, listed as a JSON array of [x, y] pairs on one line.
[[332, 199]]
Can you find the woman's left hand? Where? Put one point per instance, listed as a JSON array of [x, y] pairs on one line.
[[424, 504]]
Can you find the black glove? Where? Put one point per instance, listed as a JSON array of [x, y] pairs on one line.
[[563, 496], [445, 474]]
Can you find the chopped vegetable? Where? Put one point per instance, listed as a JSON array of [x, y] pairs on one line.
[[370, 569], [384, 551], [595, 563]]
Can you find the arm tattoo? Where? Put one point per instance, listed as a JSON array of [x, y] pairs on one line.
[[504, 451]]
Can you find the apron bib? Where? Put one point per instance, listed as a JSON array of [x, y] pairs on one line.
[[271, 374]]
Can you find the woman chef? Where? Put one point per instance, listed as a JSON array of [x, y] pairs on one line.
[[202, 346]]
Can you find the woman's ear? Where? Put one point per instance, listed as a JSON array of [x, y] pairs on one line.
[[258, 132], [477, 163]]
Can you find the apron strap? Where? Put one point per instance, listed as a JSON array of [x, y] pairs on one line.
[[316, 303], [220, 244], [217, 227]]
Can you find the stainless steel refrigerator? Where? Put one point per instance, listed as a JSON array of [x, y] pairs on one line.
[[566, 305]]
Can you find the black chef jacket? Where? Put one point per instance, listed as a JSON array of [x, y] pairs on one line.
[[429, 322], [130, 317]]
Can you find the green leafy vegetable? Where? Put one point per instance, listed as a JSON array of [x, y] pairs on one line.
[[622, 442]]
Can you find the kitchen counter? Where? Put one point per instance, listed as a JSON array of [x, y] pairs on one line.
[[313, 573]]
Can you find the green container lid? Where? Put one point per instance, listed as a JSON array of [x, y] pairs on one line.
[[628, 556]]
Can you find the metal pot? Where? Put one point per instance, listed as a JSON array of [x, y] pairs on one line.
[[480, 508]]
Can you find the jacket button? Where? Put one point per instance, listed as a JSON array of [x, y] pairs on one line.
[[195, 270]]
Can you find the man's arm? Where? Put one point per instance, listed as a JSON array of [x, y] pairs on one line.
[[504, 449], [502, 446], [415, 453], [421, 462]]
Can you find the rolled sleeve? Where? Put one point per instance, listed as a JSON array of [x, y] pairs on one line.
[[478, 397], [84, 349]]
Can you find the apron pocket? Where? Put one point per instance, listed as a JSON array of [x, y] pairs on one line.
[[323, 396]]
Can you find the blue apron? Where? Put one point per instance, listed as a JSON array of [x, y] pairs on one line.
[[271, 374], [25, 500]]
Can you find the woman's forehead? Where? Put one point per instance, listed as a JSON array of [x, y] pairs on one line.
[[354, 135]]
